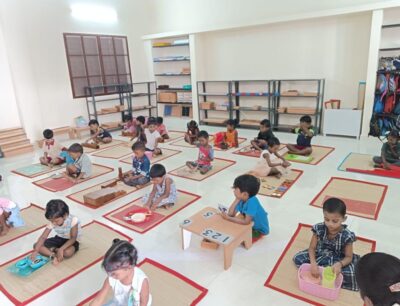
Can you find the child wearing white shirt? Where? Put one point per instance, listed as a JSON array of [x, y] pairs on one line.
[[153, 137]]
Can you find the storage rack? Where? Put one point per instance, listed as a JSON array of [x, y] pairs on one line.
[[122, 95], [221, 89], [260, 93], [174, 78], [281, 98]]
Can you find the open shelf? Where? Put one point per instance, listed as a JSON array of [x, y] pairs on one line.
[[174, 89], [204, 94], [171, 46], [173, 74]]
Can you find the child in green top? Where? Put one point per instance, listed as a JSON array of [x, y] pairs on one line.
[[390, 152]]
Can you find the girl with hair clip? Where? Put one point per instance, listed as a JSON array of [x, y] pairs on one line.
[[378, 276], [128, 283]]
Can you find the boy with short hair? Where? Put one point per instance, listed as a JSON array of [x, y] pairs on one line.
[[390, 152], [82, 166], [162, 129], [260, 143], [140, 174], [153, 137], [305, 132], [51, 150], [247, 205]]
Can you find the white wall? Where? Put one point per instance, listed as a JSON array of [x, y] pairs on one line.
[[207, 15], [33, 32], [334, 48], [9, 116]]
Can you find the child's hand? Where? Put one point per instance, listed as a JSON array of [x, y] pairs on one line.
[[60, 255], [386, 166], [33, 255], [286, 164], [337, 268], [315, 270], [224, 216]]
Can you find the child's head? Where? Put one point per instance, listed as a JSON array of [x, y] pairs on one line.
[[152, 124], [56, 212], [139, 148], [246, 186], [265, 125], [157, 173], [192, 125], [393, 137], [120, 259], [48, 134], [140, 120], [305, 121], [378, 276], [273, 144], [334, 211], [75, 150], [159, 120], [203, 138], [128, 118], [93, 124], [231, 124]]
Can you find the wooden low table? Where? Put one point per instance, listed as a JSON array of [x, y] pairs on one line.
[[209, 224]]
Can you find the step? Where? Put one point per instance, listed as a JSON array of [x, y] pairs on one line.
[[10, 139], [13, 143], [17, 150], [14, 129], [8, 135]]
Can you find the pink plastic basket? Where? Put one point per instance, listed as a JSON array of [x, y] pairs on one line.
[[316, 289]]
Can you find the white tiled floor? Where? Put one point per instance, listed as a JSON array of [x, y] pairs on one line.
[[243, 284]]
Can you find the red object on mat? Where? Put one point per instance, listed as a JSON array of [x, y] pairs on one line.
[[363, 207], [58, 184], [154, 218], [377, 171], [170, 271]]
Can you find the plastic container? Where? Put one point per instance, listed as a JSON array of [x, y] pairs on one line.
[[317, 289]]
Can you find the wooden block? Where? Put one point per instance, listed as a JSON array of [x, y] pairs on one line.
[[176, 111], [207, 105], [111, 184], [170, 97], [100, 197], [207, 244], [90, 145]]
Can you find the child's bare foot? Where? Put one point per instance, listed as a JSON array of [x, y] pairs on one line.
[[55, 261], [167, 206], [4, 231]]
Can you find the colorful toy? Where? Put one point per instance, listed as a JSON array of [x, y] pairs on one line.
[[299, 158], [328, 278], [308, 283], [26, 266]]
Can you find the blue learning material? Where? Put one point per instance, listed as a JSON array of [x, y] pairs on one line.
[[26, 266]]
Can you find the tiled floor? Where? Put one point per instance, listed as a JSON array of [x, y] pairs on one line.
[[243, 284]]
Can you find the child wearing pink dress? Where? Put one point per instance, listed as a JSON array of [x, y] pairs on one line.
[[9, 216]]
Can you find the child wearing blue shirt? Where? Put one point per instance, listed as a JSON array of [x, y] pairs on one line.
[[247, 208], [140, 174]]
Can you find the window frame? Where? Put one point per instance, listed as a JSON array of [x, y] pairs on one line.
[[100, 55]]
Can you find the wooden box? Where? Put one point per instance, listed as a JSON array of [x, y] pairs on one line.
[[207, 105], [169, 97], [207, 244], [102, 196], [176, 111]]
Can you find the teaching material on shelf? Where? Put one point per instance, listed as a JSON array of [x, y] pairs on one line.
[[221, 107], [111, 124], [251, 94], [171, 58], [184, 97], [301, 110], [170, 97], [290, 93], [214, 120], [250, 122], [207, 105]]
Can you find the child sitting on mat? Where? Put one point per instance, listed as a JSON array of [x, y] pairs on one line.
[[378, 276], [140, 174], [162, 129], [153, 137], [129, 126], [51, 150], [164, 192], [68, 231], [390, 152], [192, 133], [332, 245], [98, 134], [247, 208], [206, 155], [271, 163], [228, 139], [304, 134], [127, 282], [140, 125], [9, 216], [261, 142], [81, 168]]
